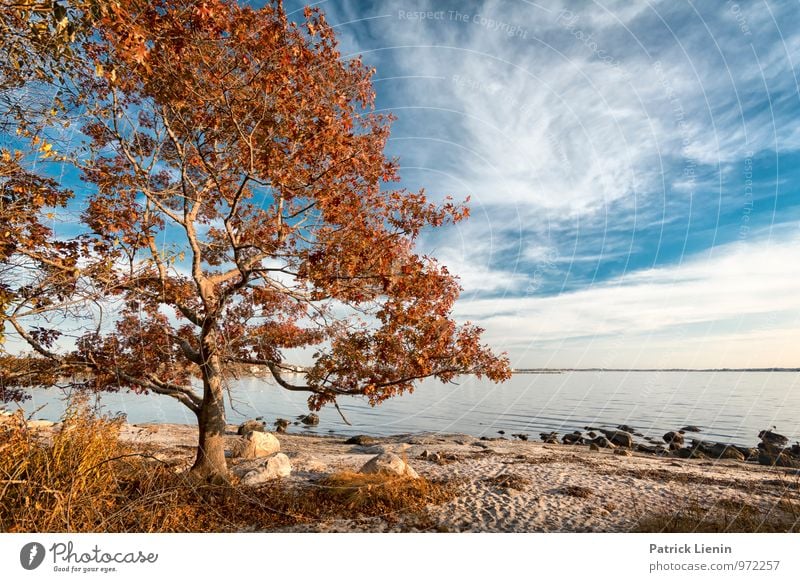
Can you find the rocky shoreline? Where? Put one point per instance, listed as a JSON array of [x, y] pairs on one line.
[[503, 485], [506, 484]]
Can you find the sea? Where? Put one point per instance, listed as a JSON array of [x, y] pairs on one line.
[[730, 407]]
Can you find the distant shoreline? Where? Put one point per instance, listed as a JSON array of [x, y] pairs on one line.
[[560, 370]]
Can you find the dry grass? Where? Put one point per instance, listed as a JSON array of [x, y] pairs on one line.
[[726, 516], [362, 496], [85, 480]]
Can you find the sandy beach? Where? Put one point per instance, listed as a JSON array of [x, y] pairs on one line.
[[509, 486]]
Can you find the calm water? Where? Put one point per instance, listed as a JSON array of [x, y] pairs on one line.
[[730, 407]]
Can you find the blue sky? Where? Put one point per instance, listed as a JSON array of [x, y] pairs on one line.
[[634, 170], [633, 167]]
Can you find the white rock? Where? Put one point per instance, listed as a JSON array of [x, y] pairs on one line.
[[254, 445], [389, 464], [276, 466]]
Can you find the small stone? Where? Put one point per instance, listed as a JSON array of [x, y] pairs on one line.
[[690, 428], [361, 440], [623, 452], [310, 419], [282, 424], [593, 447]]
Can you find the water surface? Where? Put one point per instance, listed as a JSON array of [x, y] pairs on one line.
[[728, 406]]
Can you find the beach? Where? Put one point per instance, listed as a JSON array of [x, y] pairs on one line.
[[505, 485]]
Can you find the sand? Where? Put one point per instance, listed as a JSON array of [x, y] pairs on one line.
[[556, 488]]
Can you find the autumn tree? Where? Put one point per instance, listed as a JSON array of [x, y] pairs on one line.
[[240, 207], [39, 275]]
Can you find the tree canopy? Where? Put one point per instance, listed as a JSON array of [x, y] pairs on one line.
[[236, 206]]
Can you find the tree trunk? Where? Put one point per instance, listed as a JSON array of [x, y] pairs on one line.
[[210, 464]]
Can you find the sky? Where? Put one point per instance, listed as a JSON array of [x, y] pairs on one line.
[[634, 170]]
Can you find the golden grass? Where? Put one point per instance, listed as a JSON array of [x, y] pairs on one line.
[[84, 479], [781, 515]]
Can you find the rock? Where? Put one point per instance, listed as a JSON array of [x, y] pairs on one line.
[[425, 454], [603, 443], [688, 453], [781, 459], [626, 428], [254, 445], [310, 419], [593, 447], [251, 426], [619, 438], [674, 439], [276, 466], [388, 464], [361, 440], [572, 439], [623, 452], [551, 438], [749, 453], [651, 450], [592, 434], [723, 451], [773, 438], [521, 436], [501, 432], [795, 450], [282, 424], [690, 428]]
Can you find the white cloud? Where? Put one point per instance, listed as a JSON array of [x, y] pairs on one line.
[[709, 307]]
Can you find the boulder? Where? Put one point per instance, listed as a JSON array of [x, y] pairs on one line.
[[781, 459], [521, 436], [749, 453], [723, 451], [773, 438], [361, 440], [626, 428], [276, 466], [572, 439], [310, 419], [619, 438], [254, 445], [674, 439], [591, 434], [388, 464], [551, 438], [690, 428], [282, 424], [603, 443], [251, 426], [688, 453]]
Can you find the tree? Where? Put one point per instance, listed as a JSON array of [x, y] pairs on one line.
[[246, 143]]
